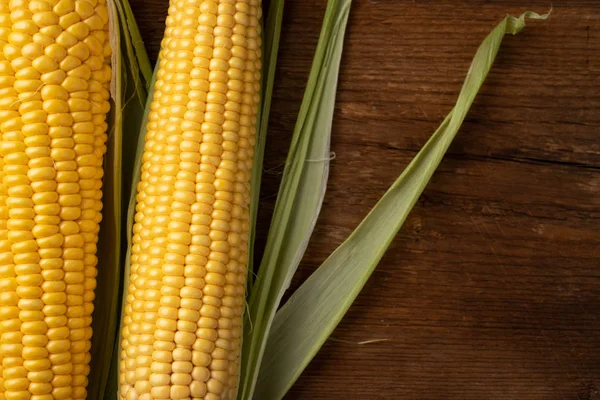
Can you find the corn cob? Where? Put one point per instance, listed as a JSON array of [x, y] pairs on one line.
[[54, 91], [182, 327]]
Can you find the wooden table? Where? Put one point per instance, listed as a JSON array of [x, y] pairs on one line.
[[492, 288]]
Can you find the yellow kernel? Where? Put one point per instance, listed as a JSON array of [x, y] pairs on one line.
[[55, 106], [64, 7], [179, 391], [24, 26], [66, 39], [94, 23], [160, 392], [103, 13], [16, 384], [70, 62], [56, 52], [47, 35], [45, 18], [214, 386], [80, 51], [203, 346], [69, 20], [184, 338], [72, 84], [198, 389], [54, 92], [84, 9], [54, 77], [80, 30]]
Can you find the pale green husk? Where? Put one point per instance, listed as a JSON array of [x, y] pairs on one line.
[[303, 324], [300, 195], [130, 85]]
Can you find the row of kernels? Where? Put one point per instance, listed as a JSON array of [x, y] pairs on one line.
[[245, 152], [237, 268], [181, 381], [88, 71], [221, 381], [220, 365], [41, 241], [63, 156], [8, 296], [145, 279], [209, 117], [202, 176], [90, 145], [167, 336], [43, 311]]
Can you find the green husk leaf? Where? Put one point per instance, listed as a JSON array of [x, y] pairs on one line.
[[143, 61], [300, 195], [129, 30], [303, 324], [271, 35], [138, 83], [129, 98]]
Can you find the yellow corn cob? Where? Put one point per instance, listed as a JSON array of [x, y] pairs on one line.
[[183, 313], [54, 91]]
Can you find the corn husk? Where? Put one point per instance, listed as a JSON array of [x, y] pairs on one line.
[[300, 195], [306, 320]]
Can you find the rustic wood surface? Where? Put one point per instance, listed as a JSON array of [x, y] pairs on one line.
[[492, 288]]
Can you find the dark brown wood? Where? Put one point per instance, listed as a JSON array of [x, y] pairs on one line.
[[492, 288]]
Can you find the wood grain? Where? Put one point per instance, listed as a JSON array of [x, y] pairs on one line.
[[492, 288]]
